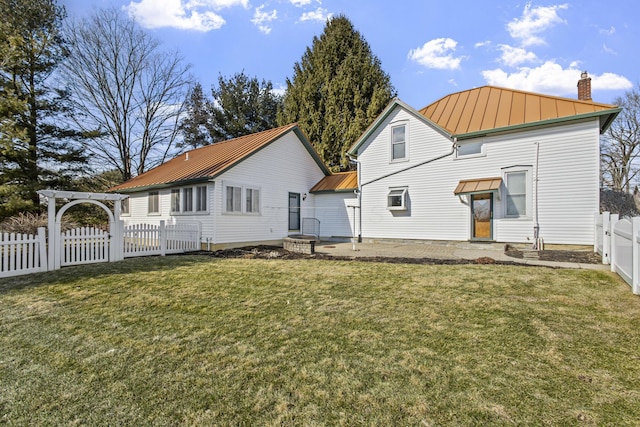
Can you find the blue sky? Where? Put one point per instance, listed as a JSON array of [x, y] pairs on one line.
[[429, 48]]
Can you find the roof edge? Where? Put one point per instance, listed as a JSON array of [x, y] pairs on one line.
[[396, 102], [610, 113]]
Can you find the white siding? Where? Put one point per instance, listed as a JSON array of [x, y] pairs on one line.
[[568, 183], [279, 168], [282, 167], [335, 214]]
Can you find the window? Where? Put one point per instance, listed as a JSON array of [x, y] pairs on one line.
[[253, 200], [124, 207], [175, 200], [234, 199], [470, 150], [154, 202], [399, 142], [187, 199], [516, 183], [397, 199], [201, 198]]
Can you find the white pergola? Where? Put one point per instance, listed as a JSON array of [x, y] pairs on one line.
[[74, 198]]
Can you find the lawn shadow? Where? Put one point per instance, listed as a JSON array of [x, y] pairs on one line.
[[82, 272]]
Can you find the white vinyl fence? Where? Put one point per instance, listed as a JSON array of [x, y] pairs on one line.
[[84, 245], [23, 253], [146, 239], [618, 241]]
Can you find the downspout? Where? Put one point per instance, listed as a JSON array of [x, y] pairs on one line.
[[358, 192], [537, 241]]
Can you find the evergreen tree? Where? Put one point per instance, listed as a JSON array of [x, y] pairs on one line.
[[240, 105], [337, 90], [196, 126], [37, 150]]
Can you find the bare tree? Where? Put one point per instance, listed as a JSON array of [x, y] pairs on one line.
[[620, 147], [131, 93]]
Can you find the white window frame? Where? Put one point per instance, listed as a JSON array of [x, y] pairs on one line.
[[175, 200], [254, 209], [397, 125], [187, 200], [150, 197], [395, 192], [234, 205], [528, 195], [125, 207], [482, 152], [201, 203], [242, 190]]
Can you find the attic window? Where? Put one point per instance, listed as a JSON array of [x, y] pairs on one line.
[[397, 199], [399, 142]]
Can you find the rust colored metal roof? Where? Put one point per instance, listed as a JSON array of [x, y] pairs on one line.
[[207, 162], [338, 182], [477, 185], [490, 108]]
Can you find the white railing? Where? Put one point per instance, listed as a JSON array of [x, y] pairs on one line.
[[22, 253], [146, 239], [84, 245], [620, 246]]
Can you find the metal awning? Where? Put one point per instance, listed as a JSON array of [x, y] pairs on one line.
[[482, 185]]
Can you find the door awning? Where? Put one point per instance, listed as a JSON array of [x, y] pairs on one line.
[[482, 185]]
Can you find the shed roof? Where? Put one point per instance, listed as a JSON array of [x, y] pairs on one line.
[[338, 182], [207, 162], [488, 109]]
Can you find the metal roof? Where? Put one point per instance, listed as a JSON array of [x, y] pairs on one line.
[[338, 182], [207, 162], [478, 185], [486, 109]]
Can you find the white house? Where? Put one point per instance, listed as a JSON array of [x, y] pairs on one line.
[[248, 190], [486, 164]]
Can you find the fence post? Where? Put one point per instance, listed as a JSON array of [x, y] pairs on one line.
[[606, 240], [635, 251], [42, 248], [162, 235], [613, 219], [595, 232]]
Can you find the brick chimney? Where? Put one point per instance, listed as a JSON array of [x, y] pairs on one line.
[[584, 87]]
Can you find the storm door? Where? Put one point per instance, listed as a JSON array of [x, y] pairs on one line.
[[294, 211], [482, 216]]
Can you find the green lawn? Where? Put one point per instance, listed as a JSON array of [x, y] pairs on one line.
[[194, 340]]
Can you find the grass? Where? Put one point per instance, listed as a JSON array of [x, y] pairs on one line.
[[198, 341]]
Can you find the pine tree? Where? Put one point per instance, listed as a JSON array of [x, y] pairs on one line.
[[337, 90], [196, 126], [243, 105], [37, 149], [240, 105]]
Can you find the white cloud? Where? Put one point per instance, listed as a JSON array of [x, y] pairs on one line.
[[607, 31], [514, 56], [320, 15], [196, 15], [300, 3], [533, 22], [608, 50], [262, 19], [173, 14], [482, 44], [216, 4], [437, 53], [551, 78]]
